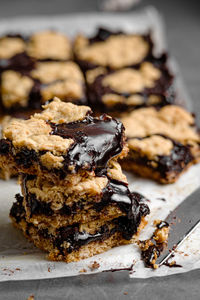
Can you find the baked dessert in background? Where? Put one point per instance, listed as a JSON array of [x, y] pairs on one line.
[[112, 50], [34, 69], [150, 84], [29, 91], [75, 199], [163, 143]]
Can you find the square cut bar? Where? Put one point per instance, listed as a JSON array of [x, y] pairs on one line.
[[35, 69], [19, 52], [150, 84], [112, 50], [102, 197], [26, 91], [79, 241], [62, 143], [162, 143]]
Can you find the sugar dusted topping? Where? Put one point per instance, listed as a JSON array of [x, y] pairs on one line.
[[116, 52], [49, 45], [11, 46], [65, 90], [35, 134], [172, 121], [60, 112], [132, 81], [47, 72], [15, 89], [151, 146]]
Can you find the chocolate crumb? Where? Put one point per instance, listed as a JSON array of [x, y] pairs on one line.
[[162, 199]]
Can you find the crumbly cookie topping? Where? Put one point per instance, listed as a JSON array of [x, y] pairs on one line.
[[47, 72], [49, 45], [11, 46], [132, 81], [60, 112], [151, 146], [172, 121], [116, 52], [15, 89], [35, 132], [65, 90]]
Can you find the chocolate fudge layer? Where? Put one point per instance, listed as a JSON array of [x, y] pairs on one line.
[[162, 143], [79, 241], [26, 91], [63, 139], [113, 50], [150, 84]]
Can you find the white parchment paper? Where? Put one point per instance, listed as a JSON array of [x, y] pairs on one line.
[[20, 260]]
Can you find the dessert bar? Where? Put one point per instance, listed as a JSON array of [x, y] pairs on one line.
[[80, 241], [35, 69], [19, 52], [162, 143], [62, 140], [150, 84], [100, 197], [75, 199], [113, 50], [26, 91]]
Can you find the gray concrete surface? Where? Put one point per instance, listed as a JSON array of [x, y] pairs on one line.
[[183, 33]]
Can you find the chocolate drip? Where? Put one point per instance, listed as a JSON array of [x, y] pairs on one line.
[[96, 141]]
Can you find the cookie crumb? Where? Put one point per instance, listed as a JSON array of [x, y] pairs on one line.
[[125, 293], [94, 266], [83, 271]]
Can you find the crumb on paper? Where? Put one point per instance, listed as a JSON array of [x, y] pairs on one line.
[[95, 265], [125, 293], [31, 297], [83, 271]]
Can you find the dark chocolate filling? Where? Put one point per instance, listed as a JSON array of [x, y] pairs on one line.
[[97, 140], [178, 159]]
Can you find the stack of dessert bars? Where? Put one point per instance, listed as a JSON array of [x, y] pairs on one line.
[[75, 200]]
